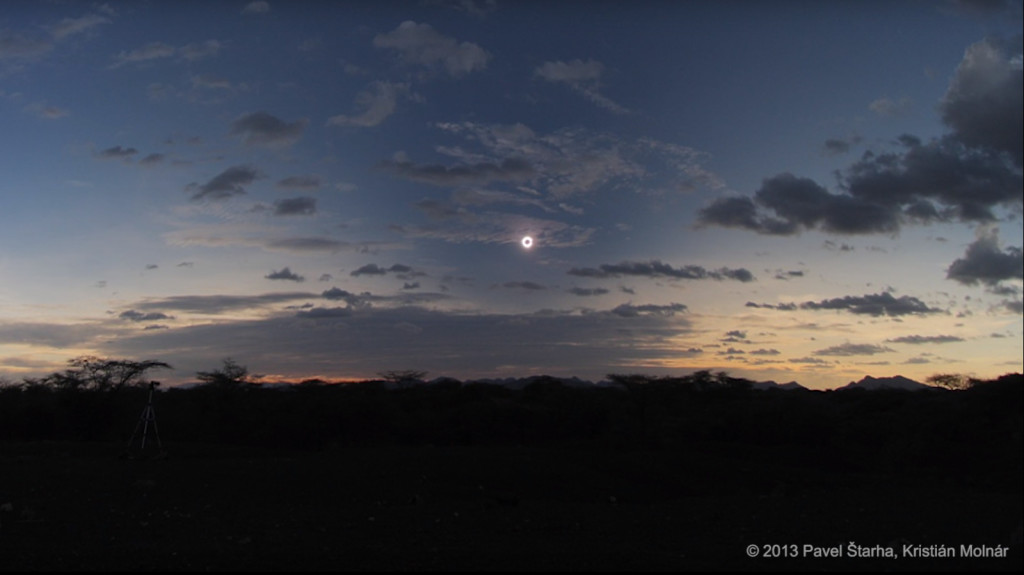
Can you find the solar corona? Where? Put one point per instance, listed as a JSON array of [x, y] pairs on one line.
[[527, 242]]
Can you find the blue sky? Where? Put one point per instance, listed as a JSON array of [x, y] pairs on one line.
[[808, 191]]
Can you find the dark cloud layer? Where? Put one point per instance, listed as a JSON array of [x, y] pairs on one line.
[[657, 269], [963, 175]]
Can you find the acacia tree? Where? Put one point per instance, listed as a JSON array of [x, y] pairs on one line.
[[951, 380], [89, 372], [230, 375]]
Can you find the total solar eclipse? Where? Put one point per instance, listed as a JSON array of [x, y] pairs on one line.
[[527, 242]]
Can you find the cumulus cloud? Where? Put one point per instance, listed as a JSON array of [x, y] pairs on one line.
[[402, 271], [799, 204], [375, 104], [260, 128], [985, 262], [983, 103], [285, 274], [925, 339], [295, 207], [583, 77], [421, 44], [854, 349], [230, 182], [630, 310], [657, 269], [138, 316], [878, 304], [962, 175]]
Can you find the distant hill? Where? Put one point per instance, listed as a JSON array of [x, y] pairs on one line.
[[766, 385], [895, 382]]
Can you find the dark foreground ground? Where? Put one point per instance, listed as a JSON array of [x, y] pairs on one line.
[[76, 506]]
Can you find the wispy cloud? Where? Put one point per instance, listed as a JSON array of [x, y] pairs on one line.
[[421, 44], [583, 77]]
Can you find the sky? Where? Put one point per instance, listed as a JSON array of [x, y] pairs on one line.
[[808, 191]]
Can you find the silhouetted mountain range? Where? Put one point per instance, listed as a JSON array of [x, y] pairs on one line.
[[894, 382]]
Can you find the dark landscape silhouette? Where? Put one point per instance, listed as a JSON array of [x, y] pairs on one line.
[[640, 472]]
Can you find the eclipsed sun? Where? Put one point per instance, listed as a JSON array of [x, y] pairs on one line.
[[527, 242]]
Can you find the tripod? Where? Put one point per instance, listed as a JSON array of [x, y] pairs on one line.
[[147, 418]]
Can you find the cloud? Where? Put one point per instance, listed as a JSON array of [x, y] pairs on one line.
[[295, 207], [460, 226], [369, 269], [630, 310], [421, 44], [984, 102], [985, 262], [54, 335], [402, 271], [73, 26], [586, 292], [878, 304], [509, 170], [836, 146], [285, 274], [575, 162], [151, 51], [226, 184], [853, 349], [260, 128], [300, 183], [258, 7], [532, 286], [798, 204], [764, 351], [218, 304], [963, 174], [887, 107], [376, 105], [657, 269], [200, 50], [152, 159], [502, 344], [117, 152], [16, 47], [583, 77], [925, 339], [138, 316]]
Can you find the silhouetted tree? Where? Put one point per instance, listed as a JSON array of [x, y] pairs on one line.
[[951, 380], [403, 376], [101, 374], [230, 375]]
